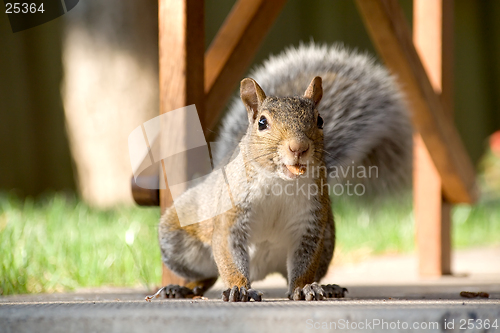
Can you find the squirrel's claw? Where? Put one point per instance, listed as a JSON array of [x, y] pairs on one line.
[[298, 294], [334, 290], [310, 292], [234, 294], [241, 295], [315, 292], [255, 295]]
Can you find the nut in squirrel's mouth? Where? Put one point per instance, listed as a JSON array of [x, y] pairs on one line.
[[294, 171]]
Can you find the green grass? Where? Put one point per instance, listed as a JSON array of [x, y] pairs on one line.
[[390, 227], [58, 243], [362, 230], [476, 226]]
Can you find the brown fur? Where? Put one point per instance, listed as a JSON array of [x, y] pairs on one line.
[[292, 123]]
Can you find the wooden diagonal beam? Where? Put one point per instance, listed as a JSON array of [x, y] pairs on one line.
[[232, 51], [390, 33]]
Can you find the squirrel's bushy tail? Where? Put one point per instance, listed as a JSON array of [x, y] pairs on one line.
[[367, 125]]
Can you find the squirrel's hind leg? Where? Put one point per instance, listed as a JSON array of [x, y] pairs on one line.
[[190, 290], [188, 254], [200, 287]]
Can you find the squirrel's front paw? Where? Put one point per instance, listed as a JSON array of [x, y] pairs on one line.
[[310, 292], [241, 295], [315, 292]]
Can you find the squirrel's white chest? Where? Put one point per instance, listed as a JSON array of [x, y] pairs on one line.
[[280, 214]]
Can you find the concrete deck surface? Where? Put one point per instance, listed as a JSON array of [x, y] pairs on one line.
[[385, 294]]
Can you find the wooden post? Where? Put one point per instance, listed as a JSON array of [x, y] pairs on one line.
[[181, 56], [226, 60], [182, 68], [432, 36]]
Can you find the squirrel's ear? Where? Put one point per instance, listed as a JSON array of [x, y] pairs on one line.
[[315, 90], [252, 96]]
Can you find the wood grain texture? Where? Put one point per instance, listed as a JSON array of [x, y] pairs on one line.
[[181, 48], [233, 49], [391, 36], [432, 214], [181, 57]]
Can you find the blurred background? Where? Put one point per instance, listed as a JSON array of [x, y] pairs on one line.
[[72, 90]]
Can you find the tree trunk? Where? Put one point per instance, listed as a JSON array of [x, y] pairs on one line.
[[110, 86]]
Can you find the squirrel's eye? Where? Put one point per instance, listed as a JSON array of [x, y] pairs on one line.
[[320, 122], [263, 123]]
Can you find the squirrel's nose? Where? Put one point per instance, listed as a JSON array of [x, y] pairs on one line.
[[298, 148]]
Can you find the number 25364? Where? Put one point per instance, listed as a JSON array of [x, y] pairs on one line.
[[24, 8]]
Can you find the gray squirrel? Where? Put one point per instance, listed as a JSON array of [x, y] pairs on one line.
[[289, 134]]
